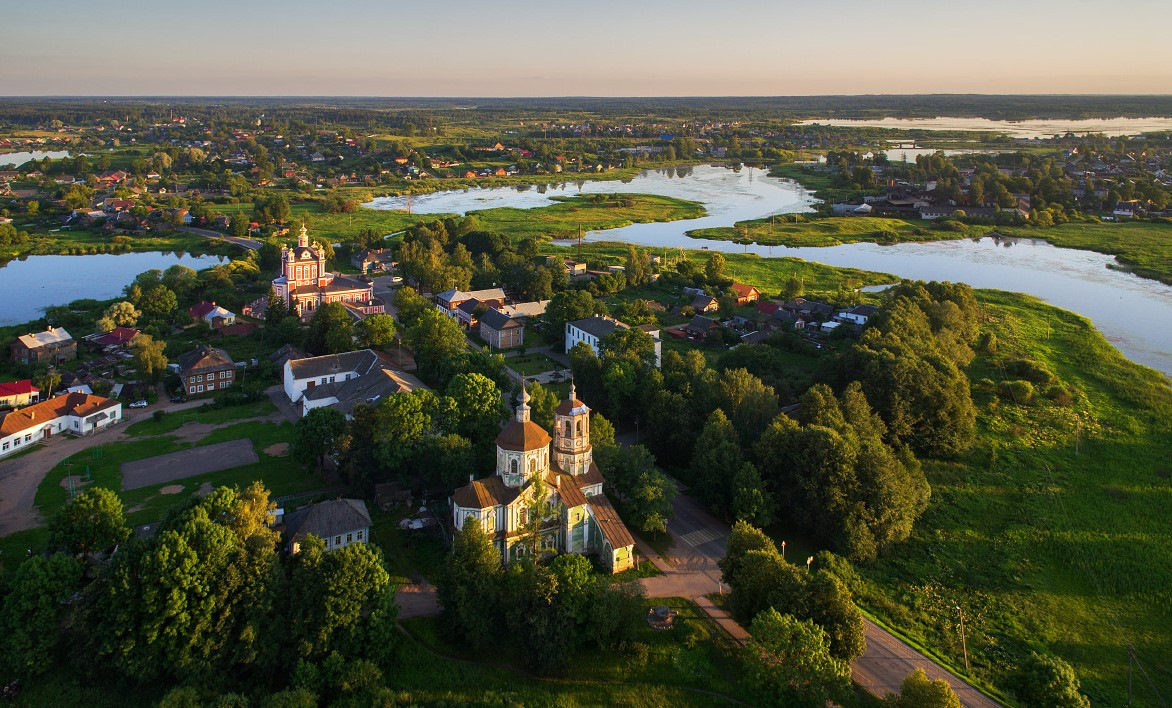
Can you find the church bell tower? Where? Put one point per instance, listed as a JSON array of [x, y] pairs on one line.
[[571, 446]]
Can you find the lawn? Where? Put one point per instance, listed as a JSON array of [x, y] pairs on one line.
[[173, 421], [1042, 548], [1145, 248], [280, 474], [531, 364], [694, 664], [829, 231]]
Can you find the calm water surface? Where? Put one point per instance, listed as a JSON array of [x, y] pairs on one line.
[[29, 286], [1111, 127], [1133, 313], [16, 159]]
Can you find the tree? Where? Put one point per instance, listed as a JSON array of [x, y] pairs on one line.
[[30, 619], [340, 602], [437, 341], [468, 586], [714, 269], [751, 501], [159, 301], [149, 356], [919, 691], [639, 487], [120, 314], [330, 331], [92, 522], [375, 331], [476, 402], [194, 600], [1047, 682], [316, 435], [788, 663], [47, 382], [716, 457], [567, 306], [542, 402]]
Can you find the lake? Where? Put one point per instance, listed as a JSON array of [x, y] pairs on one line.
[[1112, 127], [16, 159], [27, 287], [1135, 314]]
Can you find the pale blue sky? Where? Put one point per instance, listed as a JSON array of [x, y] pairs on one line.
[[598, 47]]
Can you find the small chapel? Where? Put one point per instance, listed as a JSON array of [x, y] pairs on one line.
[[578, 517], [305, 284]]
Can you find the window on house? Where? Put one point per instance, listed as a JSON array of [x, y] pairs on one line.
[[359, 535], [16, 442], [579, 428], [5, 447], [191, 390], [568, 432], [199, 388], [513, 467], [199, 378], [349, 537], [337, 540], [27, 438]]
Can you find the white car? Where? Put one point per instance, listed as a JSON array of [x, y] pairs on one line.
[[139, 404]]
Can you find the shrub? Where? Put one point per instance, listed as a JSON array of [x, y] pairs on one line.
[[1030, 370], [1016, 390], [159, 415]]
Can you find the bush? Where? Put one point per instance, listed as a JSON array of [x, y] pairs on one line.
[[1030, 370], [1016, 390], [159, 415]]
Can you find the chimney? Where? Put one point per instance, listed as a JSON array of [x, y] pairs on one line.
[[471, 477]]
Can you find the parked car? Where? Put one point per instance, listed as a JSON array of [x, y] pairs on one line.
[[179, 399], [139, 404]]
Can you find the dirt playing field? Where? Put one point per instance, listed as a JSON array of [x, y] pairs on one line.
[[187, 463]]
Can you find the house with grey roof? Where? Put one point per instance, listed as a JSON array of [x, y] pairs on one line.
[[339, 522], [593, 330], [343, 380], [501, 331]]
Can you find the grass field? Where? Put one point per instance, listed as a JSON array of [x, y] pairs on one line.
[[79, 241], [830, 231], [172, 421], [281, 474], [531, 364], [1041, 548], [562, 220]]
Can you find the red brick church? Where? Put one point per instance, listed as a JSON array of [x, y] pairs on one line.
[[306, 285]]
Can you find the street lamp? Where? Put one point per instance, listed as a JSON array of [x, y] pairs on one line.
[[783, 550], [808, 562], [963, 644]]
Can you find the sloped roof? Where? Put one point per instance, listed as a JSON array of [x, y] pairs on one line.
[[495, 319], [598, 326], [119, 336], [381, 382], [609, 523], [569, 492], [52, 335], [484, 493], [744, 290], [17, 388], [204, 358], [328, 518], [361, 361], [78, 404], [522, 436]]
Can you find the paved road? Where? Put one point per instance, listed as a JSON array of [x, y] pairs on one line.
[[699, 541], [250, 244]]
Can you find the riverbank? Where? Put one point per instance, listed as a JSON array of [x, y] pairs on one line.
[[1052, 532], [1141, 247], [82, 242]]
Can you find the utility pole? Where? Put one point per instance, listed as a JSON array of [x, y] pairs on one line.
[[1130, 660], [963, 645]]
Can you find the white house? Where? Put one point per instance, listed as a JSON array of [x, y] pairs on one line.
[[859, 314], [592, 330], [73, 413], [339, 523], [342, 380]]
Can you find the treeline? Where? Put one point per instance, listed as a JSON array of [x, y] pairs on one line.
[[208, 603], [542, 611]]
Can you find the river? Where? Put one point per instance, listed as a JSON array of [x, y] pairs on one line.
[[1135, 314], [28, 286], [1111, 127]]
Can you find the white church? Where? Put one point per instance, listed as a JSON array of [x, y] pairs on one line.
[[579, 518]]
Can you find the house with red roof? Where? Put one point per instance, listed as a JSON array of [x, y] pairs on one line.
[[14, 394]]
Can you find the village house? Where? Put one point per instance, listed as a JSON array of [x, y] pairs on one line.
[[449, 301], [373, 260], [206, 370], [582, 520], [342, 380], [501, 331], [745, 293], [305, 284], [14, 394], [593, 330], [217, 317], [53, 346], [338, 523], [700, 326], [117, 338], [859, 314], [74, 413], [705, 303]]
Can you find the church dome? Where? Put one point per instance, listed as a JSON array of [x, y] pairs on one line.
[[571, 406], [524, 436]]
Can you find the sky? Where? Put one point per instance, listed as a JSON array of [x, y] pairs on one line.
[[593, 48]]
